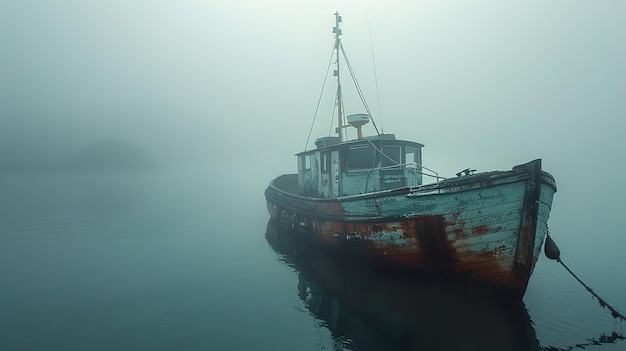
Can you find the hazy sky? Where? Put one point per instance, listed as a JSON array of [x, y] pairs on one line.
[[484, 84]]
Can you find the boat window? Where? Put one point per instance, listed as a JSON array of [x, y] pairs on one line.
[[411, 156], [391, 156], [361, 157], [325, 163], [306, 162]]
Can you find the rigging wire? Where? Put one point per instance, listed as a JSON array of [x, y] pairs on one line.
[[332, 120], [358, 88], [330, 61], [345, 130], [380, 114]]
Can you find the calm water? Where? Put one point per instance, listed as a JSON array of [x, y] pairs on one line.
[[187, 262]]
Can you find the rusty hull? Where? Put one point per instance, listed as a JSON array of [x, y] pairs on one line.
[[487, 226]]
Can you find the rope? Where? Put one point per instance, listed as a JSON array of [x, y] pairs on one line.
[[380, 114], [330, 61], [332, 120], [358, 88], [601, 301]]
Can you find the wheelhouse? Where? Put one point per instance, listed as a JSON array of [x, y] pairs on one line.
[[359, 166]]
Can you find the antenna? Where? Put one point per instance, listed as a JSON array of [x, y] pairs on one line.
[[338, 33]]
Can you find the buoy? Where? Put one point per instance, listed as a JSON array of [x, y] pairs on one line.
[[551, 250]]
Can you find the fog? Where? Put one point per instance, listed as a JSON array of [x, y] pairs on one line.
[[483, 84], [209, 100]]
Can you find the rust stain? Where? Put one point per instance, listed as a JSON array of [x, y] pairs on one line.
[[481, 229], [421, 243]]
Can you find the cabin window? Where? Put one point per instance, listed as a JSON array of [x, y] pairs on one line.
[[325, 162], [360, 157], [391, 156], [411, 156], [306, 162]]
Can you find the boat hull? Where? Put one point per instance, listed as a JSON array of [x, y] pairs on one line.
[[488, 226]]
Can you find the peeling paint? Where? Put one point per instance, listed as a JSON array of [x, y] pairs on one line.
[[395, 238], [455, 226]]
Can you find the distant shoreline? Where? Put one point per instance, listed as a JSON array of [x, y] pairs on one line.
[[99, 156]]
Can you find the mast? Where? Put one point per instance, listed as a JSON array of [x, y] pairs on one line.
[[339, 101]]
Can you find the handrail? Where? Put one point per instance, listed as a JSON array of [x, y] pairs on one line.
[[414, 169], [405, 166], [436, 175]]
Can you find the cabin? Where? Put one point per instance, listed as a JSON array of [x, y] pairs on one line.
[[360, 166]]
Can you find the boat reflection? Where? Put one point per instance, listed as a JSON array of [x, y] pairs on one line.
[[370, 308]]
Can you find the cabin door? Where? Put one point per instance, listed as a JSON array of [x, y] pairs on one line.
[[334, 174]]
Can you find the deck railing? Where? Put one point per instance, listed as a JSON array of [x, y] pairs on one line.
[[414, 167]]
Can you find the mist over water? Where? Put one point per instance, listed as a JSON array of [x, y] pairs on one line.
[[136, 140], [172, 260]]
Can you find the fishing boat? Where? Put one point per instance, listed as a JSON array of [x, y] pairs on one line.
[[371, 197]]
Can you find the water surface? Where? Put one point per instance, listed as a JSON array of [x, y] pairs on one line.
[[186, 261]]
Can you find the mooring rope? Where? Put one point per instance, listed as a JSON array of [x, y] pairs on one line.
[[552, 251], [601, 301]]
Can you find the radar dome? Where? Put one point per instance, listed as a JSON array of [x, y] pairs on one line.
[[357, 120]]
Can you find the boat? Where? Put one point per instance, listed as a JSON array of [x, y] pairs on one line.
[[371, 197]]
